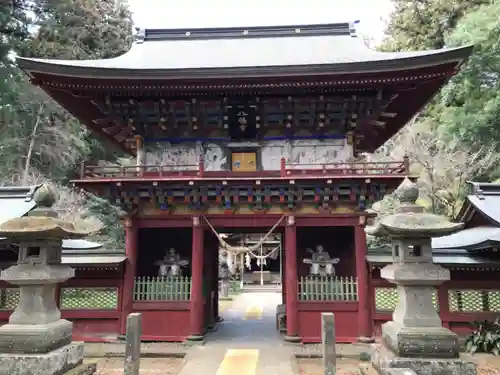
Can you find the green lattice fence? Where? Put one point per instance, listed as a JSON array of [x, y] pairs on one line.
[[386, 299], [162, 288], [474, 300], [9, 298], [327, 288], [86, 298]]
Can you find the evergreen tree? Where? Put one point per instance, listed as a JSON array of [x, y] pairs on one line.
[[41, 141], [424, 24]]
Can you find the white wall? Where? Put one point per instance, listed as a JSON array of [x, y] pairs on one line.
[[307, 153]]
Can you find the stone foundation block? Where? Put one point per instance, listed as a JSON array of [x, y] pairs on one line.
[[384, 360], [35, 338], [56, 362], [432, 342], [397, 371]]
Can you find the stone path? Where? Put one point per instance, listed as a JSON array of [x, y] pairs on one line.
[[246, 342]]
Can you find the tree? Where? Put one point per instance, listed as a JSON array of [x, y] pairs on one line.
[[471, 102], [81, 29], [41, 142], [443, 167], [14, 24], [424, 24]]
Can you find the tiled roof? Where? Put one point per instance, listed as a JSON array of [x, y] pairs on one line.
[[462, 257], [331, 48], [485, 197], [470, 239]]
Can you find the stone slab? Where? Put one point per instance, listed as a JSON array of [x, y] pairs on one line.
[[384, 359], [397, 371], [56, 362], [431, 342], [35, 338]]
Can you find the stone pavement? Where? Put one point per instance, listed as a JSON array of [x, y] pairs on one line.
[[246, 342]]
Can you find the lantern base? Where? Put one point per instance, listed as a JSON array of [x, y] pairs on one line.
[[35, 338], [58, 361], [386, 362], [422, 342]]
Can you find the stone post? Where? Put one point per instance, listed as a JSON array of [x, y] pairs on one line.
[[133, 344], [415, 338], [328, 343], [224, 274]]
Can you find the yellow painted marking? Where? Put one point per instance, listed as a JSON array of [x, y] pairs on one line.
[[239, 362], [253, 313], [224, 305]]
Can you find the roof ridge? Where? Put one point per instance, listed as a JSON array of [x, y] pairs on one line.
[[341, 29], [17, 192], [480, 189]]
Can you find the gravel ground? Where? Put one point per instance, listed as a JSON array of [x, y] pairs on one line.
[[149, 366], [487, 365], [345, 366]]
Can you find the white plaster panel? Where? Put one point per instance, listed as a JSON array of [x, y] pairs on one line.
[[308, 154], [215, 158], [175, 157], [186, 156]]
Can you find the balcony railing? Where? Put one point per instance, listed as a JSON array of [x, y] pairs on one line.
[[287, 170]]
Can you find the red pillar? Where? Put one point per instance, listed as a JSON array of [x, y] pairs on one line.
[[364, 285], [292, 322], [131, 244], [197, 313]]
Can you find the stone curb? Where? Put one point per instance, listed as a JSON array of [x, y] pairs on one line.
[[143, 355]]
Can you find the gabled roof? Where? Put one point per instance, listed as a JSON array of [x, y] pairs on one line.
[[450, 257], [483, 198], [16, 201], [246, 51], [476, 238]]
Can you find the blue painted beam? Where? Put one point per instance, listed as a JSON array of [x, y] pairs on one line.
[[227, 139]]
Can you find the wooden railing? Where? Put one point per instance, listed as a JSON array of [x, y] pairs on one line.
[[328, 288], [286, 170], [354, 168], [162, 288]]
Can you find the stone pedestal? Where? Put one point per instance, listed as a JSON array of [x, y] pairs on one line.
[[415, 339], [386, 361], [58, 361]]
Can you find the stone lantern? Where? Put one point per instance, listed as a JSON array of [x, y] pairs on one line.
[[36, 340], [415, 338]]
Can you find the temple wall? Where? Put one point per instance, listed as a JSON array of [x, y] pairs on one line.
[[308, 153]]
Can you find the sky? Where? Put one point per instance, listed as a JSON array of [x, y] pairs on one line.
[[219, 13]]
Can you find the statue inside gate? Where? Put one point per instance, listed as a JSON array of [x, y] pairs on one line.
[[321, 264], [171, 264]]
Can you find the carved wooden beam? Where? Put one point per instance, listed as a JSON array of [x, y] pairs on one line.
[[113, 130], [124, 134], [376, 123]]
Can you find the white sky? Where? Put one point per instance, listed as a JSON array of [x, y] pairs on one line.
[[219, 13]]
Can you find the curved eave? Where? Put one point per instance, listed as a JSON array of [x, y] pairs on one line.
[[103, 69]]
